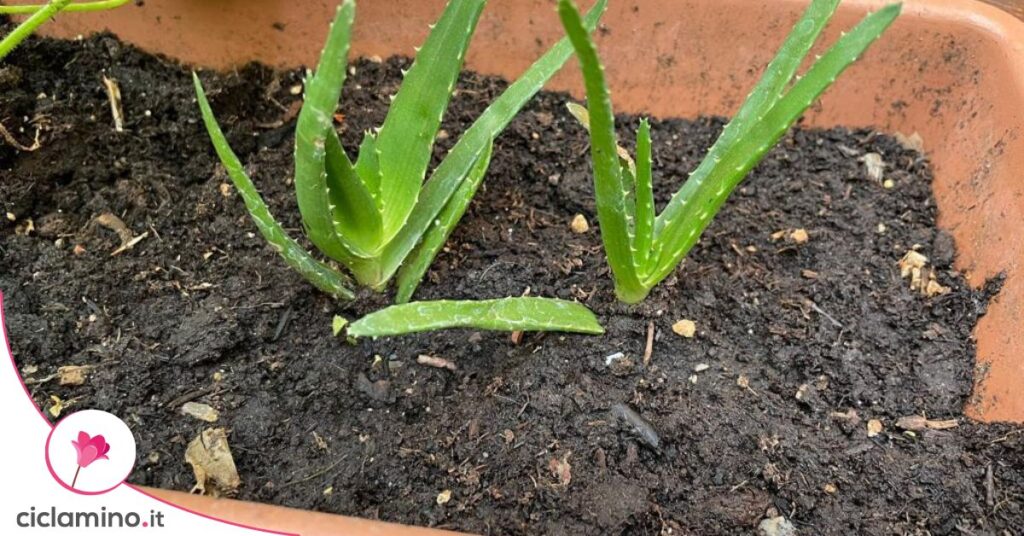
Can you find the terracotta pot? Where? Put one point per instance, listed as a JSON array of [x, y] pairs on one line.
[[950, 70]]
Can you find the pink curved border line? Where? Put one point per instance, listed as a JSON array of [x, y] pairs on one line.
[[39, 411]]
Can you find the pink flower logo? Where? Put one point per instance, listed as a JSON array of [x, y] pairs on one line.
[[89, 450]]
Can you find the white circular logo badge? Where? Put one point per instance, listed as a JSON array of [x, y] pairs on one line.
[[90, 452]]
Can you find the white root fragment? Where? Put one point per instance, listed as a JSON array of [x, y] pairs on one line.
[[13, 142]]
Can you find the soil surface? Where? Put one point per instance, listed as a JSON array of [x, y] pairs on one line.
[[765, 412]]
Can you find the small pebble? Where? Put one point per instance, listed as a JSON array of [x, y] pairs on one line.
[[776, 526], [444, 497], [874, 427], [685, 328], [579, 224], [799, 236], [701, 367]]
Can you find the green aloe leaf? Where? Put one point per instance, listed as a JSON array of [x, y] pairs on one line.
[[446, 179], [610, 187], [412, 271], [680, 235], [407, 137], [25, 29], [319, 274], [643, 241], [767, 91], [508, 314], [314, 126], [78, 7], [357, 221]]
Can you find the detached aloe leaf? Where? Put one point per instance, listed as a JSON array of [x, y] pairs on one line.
[[641, 257], [322, 276], [508, 314]]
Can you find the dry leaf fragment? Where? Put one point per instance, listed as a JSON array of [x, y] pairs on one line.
[[72, 374], [874, 427], [911, 261], [874, 165], [212, 463], [913, 142], [912, 265], [25, 227], [918, 423], [579, 224], [685, 328], [56, 406], [562, 470], [203, 412], [799, 236]]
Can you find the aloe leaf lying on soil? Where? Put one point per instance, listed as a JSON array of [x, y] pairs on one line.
[[507, 314]]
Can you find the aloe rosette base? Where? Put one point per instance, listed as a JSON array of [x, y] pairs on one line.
[[643, 248]]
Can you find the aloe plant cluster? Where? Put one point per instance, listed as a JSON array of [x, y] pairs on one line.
[[375, 215], [643, 248], [39, 14], [382, 216]]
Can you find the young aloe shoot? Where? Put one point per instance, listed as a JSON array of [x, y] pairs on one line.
[[375, 215], [39, 14], [644, 248]]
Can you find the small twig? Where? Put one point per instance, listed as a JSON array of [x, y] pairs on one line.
[[990, 486], [281, 324], [114, 96], [649, 349], [316, 474], [436, 362], [188, 397], [821, 312]]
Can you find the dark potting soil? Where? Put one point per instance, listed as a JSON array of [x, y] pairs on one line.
[[764, 412]]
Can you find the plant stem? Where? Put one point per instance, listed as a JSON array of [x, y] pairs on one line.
[[74, 480], [99, 5], [26, 28]]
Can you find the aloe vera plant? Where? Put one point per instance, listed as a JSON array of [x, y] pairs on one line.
[[39, 14], [375, 215], [643, 247]]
